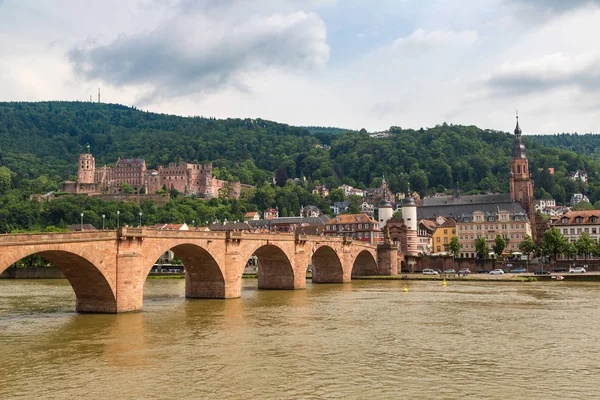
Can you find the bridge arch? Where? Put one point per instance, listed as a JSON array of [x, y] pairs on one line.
[[327, 266], [275, 270], [203, 275], [364, 264], [93, 291]]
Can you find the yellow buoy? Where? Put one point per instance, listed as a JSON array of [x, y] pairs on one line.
[[405, 288], [444, 283]]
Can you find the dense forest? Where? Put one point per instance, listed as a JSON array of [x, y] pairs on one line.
[[40, 143]]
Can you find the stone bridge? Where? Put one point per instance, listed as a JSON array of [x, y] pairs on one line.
[[107, 269]]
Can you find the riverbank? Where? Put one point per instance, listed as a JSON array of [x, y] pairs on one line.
[[528, 277]]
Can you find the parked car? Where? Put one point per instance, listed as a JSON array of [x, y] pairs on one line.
[[449, 271], [559, 270], [577, 270], [405, 270], [509, 265], [541, 272], [497, 272], [483, 271], [518, 271], [429, 271], [463, 271]]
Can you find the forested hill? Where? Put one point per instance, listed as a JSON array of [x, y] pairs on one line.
[[45, 138], [586, 144]]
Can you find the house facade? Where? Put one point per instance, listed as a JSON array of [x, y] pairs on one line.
[[512, 226]]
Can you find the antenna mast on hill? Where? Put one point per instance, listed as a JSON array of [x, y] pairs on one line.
[[98, 95]]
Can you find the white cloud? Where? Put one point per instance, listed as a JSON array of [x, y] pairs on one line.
[[546, 73], [423, 41], [196, 52]]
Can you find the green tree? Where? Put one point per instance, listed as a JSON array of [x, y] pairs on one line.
[[553, 242], [527, 246], [5, 179], [499, 246], [582, 206], [569, 250], [336, 195], [481, 248], [454, 246], [126, 188], [585, 245]]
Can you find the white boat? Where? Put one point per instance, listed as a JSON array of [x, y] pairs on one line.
[[558, 277]]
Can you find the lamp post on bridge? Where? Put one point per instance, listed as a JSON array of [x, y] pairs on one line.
[[140, 214], [81, 222], [118, 212], [103, 217]]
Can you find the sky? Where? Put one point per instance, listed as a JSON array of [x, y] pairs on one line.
[[346, 63]]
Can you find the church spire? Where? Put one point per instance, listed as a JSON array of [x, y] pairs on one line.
[[518, 150]]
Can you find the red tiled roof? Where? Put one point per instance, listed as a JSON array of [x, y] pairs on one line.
[[586, 216], [350, 219]]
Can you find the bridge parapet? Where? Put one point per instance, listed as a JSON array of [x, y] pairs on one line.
[[10, 239]]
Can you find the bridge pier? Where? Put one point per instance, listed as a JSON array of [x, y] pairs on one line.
[[387, 259]]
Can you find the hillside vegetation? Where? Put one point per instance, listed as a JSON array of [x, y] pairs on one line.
[[40, 143]]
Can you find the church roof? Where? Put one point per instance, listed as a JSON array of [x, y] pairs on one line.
[[454, 207]]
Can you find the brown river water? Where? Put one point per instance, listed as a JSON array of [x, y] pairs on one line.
[[364, 340]]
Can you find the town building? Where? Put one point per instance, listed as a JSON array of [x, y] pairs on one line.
[[511, 225], [368, 209], [355, 226], [339, 207], [252, 216], [541, 204], [321, 191], [574, 223], [425, 231], [578, 198], [306, 225], [271, 213], [310, 212], [579, 175], [443, 235], [518, 202]]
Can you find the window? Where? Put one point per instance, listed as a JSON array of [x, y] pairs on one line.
[[445, 240], [579, 231], [572, 231], [565, 231], [445, 231]]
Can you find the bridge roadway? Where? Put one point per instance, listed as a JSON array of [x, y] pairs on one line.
[[107, 269]]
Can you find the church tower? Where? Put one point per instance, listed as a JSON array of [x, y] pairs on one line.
[[521, 187]]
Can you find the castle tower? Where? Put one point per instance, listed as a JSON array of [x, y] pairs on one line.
[[86, 169], [521, 187], [409, 214]]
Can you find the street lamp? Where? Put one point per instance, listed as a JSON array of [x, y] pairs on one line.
[[118, 212], [140, 214], [81, 222], [103, 217]]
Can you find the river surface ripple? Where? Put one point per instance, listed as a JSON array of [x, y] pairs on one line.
[[364, 340]]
